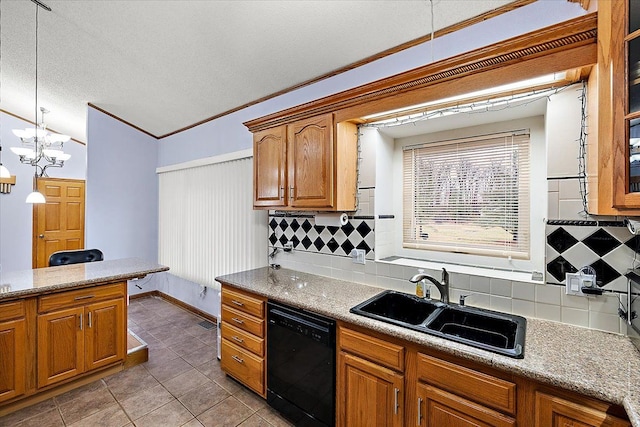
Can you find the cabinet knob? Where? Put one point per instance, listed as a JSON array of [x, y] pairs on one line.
[[41, 236]]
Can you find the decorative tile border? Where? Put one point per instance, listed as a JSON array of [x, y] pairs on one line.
[[606, 246], [301, 230]]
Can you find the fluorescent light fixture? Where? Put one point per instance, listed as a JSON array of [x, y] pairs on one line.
[[549, 78], [4, 172]]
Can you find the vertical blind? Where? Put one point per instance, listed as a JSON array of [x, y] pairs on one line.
[[207, 223], [468, 195]]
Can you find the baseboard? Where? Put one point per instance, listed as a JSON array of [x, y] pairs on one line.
[[177, 302]]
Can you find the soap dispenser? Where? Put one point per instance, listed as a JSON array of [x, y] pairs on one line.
[[420, 286]]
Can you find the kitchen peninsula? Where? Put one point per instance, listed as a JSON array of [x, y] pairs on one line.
[[63, 327]]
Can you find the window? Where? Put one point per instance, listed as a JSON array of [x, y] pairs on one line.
[[468, 195]]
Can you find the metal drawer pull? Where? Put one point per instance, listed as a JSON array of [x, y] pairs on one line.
[[282, 192], [419, 411], [291, 192], [238, 303], [237, 359], [237, 339], [235, 319], [81, 320], [396, 391], [90, 319], [83, 297]]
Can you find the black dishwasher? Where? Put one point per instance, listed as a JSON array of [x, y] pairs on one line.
[[301, 360]]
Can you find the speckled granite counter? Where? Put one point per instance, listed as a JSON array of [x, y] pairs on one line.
[[594, 363], [19, 284]]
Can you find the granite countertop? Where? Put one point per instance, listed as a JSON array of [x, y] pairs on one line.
[[598, 364], [19, 284]]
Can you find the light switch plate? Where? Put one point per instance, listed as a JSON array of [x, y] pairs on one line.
[[575, 282]]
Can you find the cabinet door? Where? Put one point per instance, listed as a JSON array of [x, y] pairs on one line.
[[60, 345], [310, 162], [552, 411], [438, 408], [368, 394], [270, 167], [104, 333], [12, 358]]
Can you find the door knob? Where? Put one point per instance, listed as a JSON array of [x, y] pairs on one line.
[[41, 236]]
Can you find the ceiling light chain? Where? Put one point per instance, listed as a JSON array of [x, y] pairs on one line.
[[37, 143]]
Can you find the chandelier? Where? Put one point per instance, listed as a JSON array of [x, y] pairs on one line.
[[40, 148]]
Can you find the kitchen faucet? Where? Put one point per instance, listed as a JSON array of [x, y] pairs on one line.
[[443, 286]]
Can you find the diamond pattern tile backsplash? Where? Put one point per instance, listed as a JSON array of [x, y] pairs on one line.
[[607, 247], [301, 230]]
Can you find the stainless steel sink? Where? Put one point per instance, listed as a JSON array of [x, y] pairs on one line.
[[490, 330]]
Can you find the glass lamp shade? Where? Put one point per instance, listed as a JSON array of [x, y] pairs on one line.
[[35, 197], [4, 172], [24, 151]]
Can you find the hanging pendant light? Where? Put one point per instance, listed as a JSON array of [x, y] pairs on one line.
[[35, 197]]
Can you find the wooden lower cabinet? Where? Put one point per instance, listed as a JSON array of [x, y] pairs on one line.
[[437, 408], [12, 357], [243, 338], [554, 411], [77, 340], [60, 345], [384, 381], [371, 395], [104, 334]]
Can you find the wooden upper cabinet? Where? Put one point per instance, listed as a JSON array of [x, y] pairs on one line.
[[309, 164], [270, 168], [614, 99], [310, 146]]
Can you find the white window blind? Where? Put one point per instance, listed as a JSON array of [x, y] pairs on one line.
[[468, 195]]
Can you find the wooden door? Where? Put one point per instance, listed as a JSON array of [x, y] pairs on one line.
[[552, 411], [370, 395], [60, 345], [12, 358], [270, 167], [104, 333], [310, 162], [437, 408], [58, 224]]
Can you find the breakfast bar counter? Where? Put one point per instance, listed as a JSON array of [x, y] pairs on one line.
[[24, 283]]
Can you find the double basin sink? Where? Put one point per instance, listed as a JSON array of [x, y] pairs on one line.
[[500, 333]]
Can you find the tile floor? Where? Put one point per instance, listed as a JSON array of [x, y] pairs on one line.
[[180, 385]]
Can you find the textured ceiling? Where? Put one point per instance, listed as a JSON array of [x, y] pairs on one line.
[[164, 65]]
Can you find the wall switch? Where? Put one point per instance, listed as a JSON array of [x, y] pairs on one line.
[[576, 281], [357, 256]]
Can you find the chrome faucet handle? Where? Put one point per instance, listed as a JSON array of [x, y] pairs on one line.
[[463, 297]]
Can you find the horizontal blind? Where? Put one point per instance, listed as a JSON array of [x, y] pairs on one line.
[[469, 195], [207, 223]]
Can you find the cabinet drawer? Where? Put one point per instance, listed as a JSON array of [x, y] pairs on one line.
[[374, 349], [79, 297], [243, 339], [473, 385], [243, 366], [243, 321], [11, 310], [243, 302]]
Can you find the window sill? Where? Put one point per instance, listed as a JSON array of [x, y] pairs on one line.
[[517, 276]]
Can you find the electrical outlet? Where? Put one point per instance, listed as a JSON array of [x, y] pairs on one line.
[[357, 256], [288, 246]]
